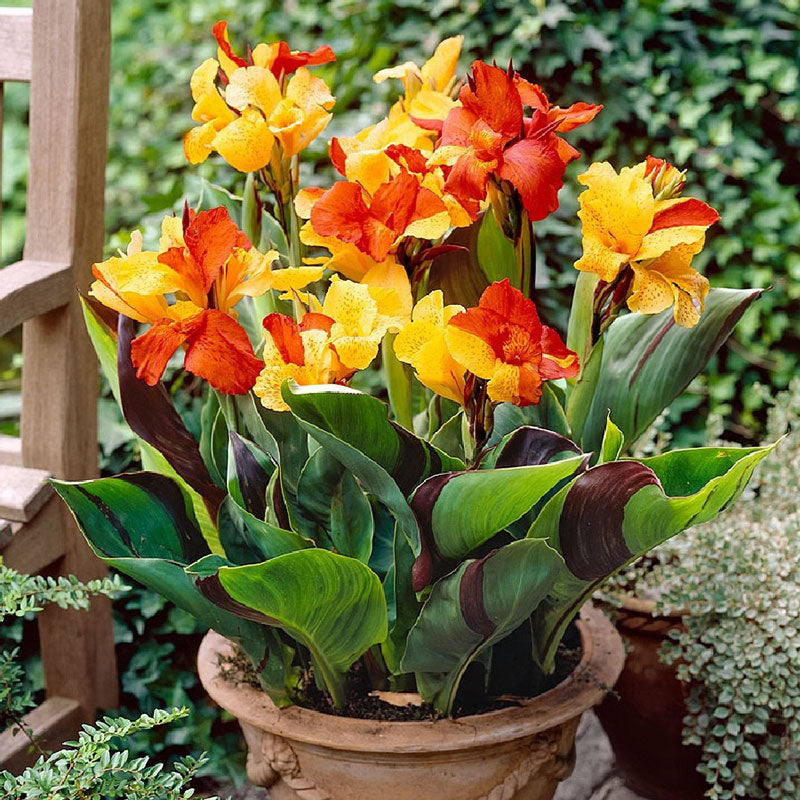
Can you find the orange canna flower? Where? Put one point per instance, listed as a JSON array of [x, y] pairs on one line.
[[626, 223], [374, 224], [208, 264], [489, 135], [503, 341], [301, 352]]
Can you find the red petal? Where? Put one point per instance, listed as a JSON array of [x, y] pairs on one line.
[[288, 61], [467, 179], [553, 345], [536, 171], [509, 302], [688, 212], [210, 238], [495, 99], [483, 323], [653, 164], [286, 335], [573, 117], [338, 156], [457, 126], [394, 201], [531, 94], [317, 322], [219, 351], [340, 212], [220, 31], [530, 385], [151, 352], [413, 160]]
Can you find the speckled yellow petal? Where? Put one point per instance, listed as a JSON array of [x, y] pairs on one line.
[[370, 168], [283, 280], [197, 143], [430, 309], [356, 352], [253, 86], [391, 289], [651, 292], [141, 273], [246, 144], [446, 156], [171, 233], [439, 69], [472, 352], [138, 307], [659, 242], [268, 385], [503, 386], [429, 227], [412, 338], [352, 306], [601, 260]]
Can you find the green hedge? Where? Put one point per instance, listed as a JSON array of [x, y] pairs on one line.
[[711, 85]]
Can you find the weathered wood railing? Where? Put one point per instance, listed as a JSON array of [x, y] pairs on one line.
[[61, 47]]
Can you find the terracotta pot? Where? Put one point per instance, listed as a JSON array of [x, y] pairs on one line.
[[518, 753], [644, 717]]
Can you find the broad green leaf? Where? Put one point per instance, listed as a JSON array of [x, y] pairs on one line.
[[246, 539], [478, 604], [333, 504], [612, 444], [142, 525], [333, 604], [614, 513], [648, 360], [104, 342], [448, 437], [465, 509], [388, 460], [402, 603], [214, 438], [526, 446], [548, 413]]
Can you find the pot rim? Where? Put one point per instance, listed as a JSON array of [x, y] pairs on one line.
[[601, 663]]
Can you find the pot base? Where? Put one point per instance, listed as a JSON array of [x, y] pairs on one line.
[[517, 753]]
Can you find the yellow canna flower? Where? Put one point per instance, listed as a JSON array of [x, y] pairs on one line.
[[301, 352], [362, 317], [422, 344], [624, 224], [259, 104]]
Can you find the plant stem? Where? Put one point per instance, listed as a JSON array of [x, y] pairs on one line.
[[398, 383], [581, 320]]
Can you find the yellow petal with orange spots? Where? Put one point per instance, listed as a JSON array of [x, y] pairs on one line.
[[141, 273], [391, 289], [429, 227], [246, 144], [601, 260], [283, 280], [503, 387], [268, 385], [356, 352], [659, 242], [253, 86], [446, 156], [352, 306], [171, 233], [472, 352], [198, 141]]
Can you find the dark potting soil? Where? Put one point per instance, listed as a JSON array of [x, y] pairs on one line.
[[361, 705]]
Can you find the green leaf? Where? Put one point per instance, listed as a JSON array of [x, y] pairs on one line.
[[612, 444], [648, 360], [616, 512], [477, 605], [496, 253], [548, 413], [354, 428], [249, 471], [334, 605], [333, 502], [401, 600], [465, 509]]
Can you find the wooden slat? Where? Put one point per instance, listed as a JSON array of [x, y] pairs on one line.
[[31, 547], [59, 379], [51, 723], [10, 450], [30, 288], [23, 492], [16, 44]]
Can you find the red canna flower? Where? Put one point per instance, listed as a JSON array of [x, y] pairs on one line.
[[399, 207], [489, 135], [503, 341]]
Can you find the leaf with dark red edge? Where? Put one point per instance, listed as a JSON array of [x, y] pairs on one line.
[[249, 471], [332, 604], [142, 524], [616, 512], [479, 604], [648, 360], [460, 511], [528, 446], [150, 414]]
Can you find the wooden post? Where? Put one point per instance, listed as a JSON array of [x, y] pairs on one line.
[[68, 120]]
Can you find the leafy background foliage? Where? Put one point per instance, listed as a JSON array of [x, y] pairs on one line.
[[712, 85]]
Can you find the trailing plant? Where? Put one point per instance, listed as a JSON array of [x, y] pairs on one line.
[[93, 766], [460, 526]]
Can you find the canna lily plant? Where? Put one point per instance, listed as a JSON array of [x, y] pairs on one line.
[[454, 519]]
